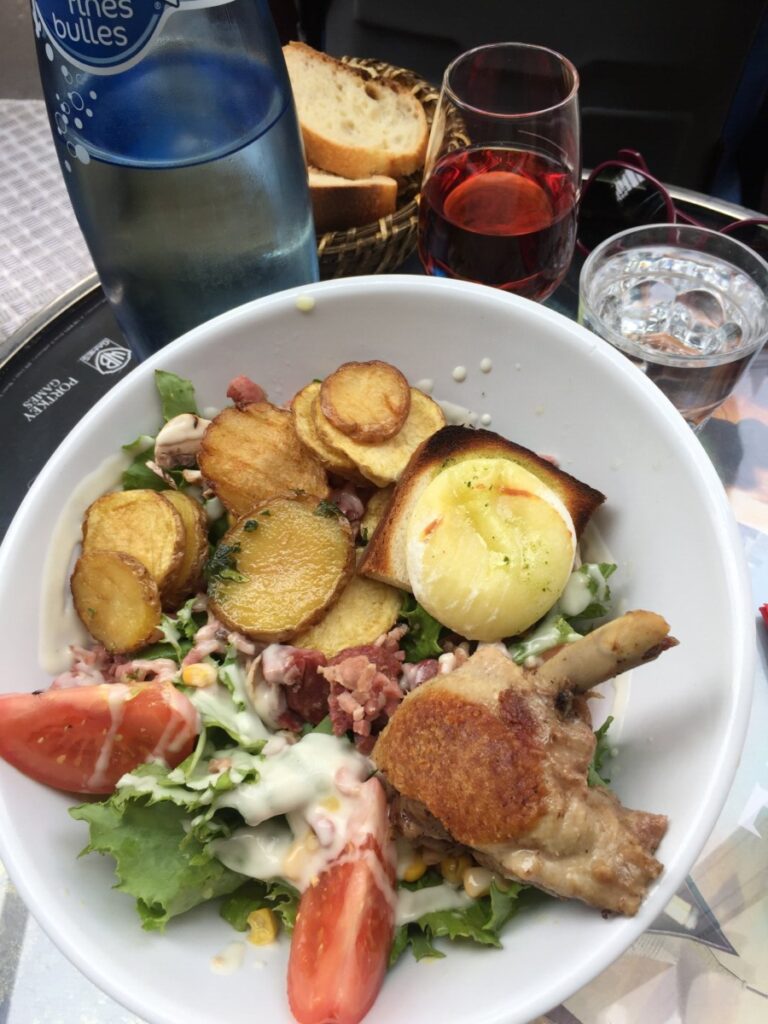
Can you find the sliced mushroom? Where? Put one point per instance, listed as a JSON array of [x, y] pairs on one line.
[[179, 441]]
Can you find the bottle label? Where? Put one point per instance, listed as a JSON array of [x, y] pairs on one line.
[[107, 36]]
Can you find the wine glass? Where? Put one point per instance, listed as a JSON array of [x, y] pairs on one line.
[[502, 172]]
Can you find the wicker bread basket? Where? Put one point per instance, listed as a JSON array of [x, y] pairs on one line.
[[385, 244]]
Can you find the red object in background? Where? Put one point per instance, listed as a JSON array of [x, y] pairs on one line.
[[764, 613]]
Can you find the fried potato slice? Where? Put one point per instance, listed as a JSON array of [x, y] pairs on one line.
[[383, 463], [374, 511], [254, 453], [189, 573], [304, 424], [139, 523], [279, 567], [364, 611], [117, 600], [368, 402]]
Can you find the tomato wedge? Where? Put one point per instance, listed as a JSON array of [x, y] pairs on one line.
[[83, 738], [344, 928]]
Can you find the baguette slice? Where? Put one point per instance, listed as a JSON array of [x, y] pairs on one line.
[[352, 124], [385, 556], [341, 203]]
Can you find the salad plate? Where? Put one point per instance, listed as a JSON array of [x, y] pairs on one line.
[[541, 381]]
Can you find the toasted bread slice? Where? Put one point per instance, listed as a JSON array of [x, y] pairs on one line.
[[353, 124], [340, 203], [385, 556]]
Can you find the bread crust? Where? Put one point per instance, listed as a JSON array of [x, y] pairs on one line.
[[385, 555], [351, 159], [341, 203]]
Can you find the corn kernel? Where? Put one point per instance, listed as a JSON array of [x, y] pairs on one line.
[[201, 674], [452, 868], [331, 803], [477, 882], [263, 927], [414, 871]]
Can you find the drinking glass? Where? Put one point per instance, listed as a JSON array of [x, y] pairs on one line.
[[502, 172], [689, 306]]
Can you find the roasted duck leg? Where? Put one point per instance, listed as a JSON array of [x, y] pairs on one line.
[[494, 757]]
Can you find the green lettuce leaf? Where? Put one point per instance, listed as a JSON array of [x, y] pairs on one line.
[[550, 632], [164, 868], [481, 922], [177, 395], [421, 640], [275, 895], [602, 753]]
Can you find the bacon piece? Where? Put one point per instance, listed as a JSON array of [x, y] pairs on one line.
[[418, 672], [364, 691], [90, 666], [306, 691], [243, 391]]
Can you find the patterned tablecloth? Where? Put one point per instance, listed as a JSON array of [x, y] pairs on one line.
[[705, 960], [42, 252]]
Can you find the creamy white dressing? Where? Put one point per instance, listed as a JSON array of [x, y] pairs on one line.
[[458, 415], [305, 303], [256, 852], [411, 905], [486, 365], [296, 777], [577, 595], [214, 703], [117, 694], [60, 625], [459, 374], [426, 384], [230, 959], [268, 701]]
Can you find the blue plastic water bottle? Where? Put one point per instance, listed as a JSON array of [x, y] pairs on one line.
[[178, 141]]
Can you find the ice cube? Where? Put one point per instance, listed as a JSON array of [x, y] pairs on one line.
[[727, 338], [705, 307], [679, 322], [646, 306]]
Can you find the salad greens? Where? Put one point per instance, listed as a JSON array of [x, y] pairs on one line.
[[421, 640], [481, 921], [160, 825], [177, 395], [586, 597]]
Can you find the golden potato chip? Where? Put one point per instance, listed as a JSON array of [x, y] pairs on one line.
[[368, 402], [254, 453], [117, 600], [364, 610], [304, 424], [280, 566], [189, 574], [139, 523], [383, 463]]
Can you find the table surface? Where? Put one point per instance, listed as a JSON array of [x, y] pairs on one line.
[[705, 959]]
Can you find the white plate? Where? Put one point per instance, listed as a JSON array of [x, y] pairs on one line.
[[554, 387]]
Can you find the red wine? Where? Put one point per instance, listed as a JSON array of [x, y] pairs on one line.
[[502, 217]]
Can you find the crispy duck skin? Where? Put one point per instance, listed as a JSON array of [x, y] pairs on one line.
[[494, 756]]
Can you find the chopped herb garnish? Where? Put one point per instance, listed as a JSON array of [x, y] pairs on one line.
[[250, 525], [328, 509], [266, 512], [222, 565]]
